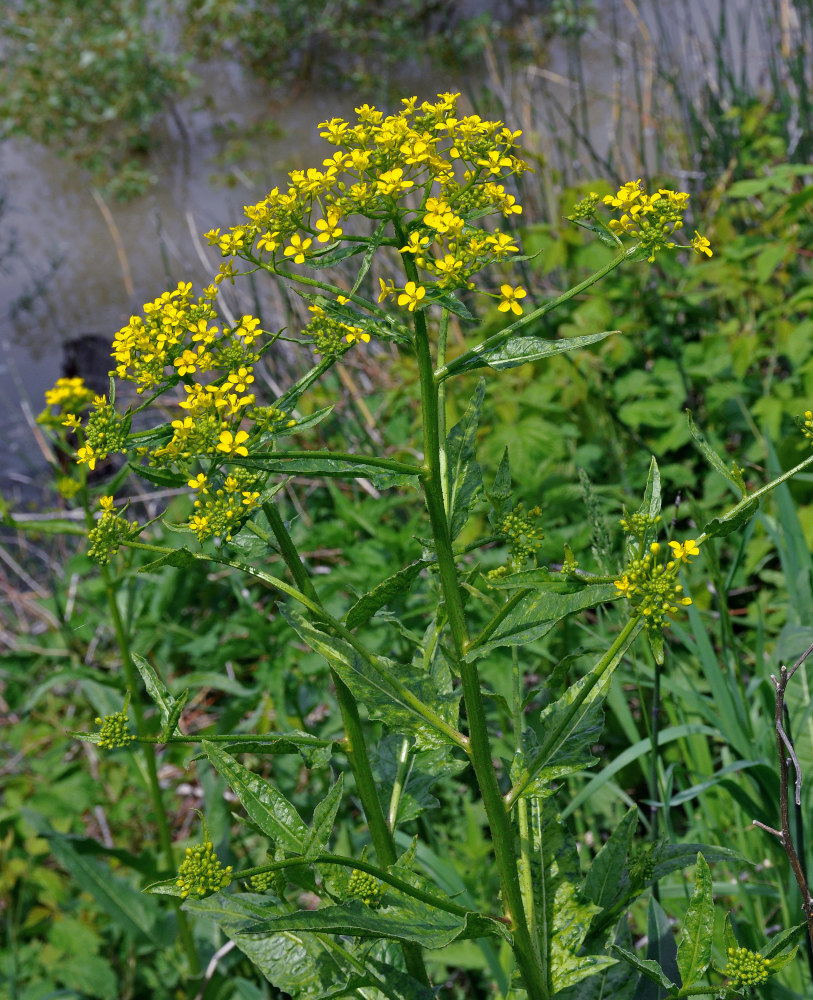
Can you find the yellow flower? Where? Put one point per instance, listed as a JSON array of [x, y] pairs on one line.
[[86, 455], [684, 552], [298, 248], [387, 289], [411, 296], [329, 228], [106, 503], [198, 482], [509, 299], [232, 444], [700, 244]]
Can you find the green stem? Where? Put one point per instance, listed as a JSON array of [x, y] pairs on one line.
[[444, 371], [355, 745], [164, 834], [525, 872], [439, 902], [401, 775], [535, 978]]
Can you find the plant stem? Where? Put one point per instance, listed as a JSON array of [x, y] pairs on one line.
[[535, 978], [401, 776], [355, 744], [164, 834]]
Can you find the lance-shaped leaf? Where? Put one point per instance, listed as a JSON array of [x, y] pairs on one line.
[[399, 583], [606, 882], [567, 719], [315, 752], [464, 480], [419, 708], [323, 816], [500, 492], [649, 968], [534, 614], [732, 473], [156, 689], [517, 350], [382, 473], [694, 950], [265, 805]]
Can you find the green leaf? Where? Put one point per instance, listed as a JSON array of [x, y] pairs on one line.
[[781, 941], [519, 350], [409, 920], [500, 494], [535, 614], [647, 967], [181, 558], [168, 729], [323, 817], [381, 595], [324, 464], [156, 688], [673, 857], [605, 881], [661, 947], [136, 915], [735, 518], [160, 477], [297, 964], [404, 708], [451, 302], [651, 503], [570, 752], [561, 914], [464, 480], [315, 752], [265, 805], [694, 950], [733, 474]]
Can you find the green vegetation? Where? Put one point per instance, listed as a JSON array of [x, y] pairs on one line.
[[322, 778]]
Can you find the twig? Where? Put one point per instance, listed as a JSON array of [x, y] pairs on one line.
[[787, 755]]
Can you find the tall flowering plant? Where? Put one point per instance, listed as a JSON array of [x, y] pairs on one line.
[[428, 190]]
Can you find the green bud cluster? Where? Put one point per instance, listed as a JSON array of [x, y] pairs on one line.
[[107, 534], [114, 731], [639, 524], [262, 881], [584, 209], [365, 887], [201, 873], [104, 431], [746, 968], [331, 337], [524, 535]]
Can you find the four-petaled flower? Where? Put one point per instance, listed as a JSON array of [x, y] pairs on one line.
[[700, 244], [232, 444], [411, 296], [509, 299], [298, 248], [683, 552]]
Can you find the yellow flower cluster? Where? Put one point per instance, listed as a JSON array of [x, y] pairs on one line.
[[71, 396], [652, 586], [425, 169], [524, 536], [331, 335], [180, 337], [108, 533], [651, 219]]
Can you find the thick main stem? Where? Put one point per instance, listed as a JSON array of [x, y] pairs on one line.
[[355, 744], [502, 832]]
